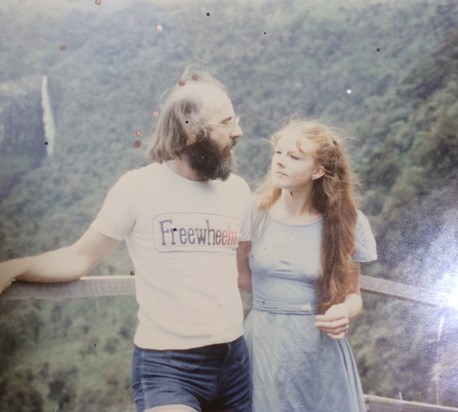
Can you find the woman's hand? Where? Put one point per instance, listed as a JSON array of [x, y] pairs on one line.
[[335, 321]]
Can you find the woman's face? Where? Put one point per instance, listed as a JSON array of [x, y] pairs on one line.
[[293, 164]]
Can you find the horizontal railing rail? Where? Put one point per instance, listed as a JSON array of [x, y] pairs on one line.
[[93, 286], [379, 404], [88, 286]]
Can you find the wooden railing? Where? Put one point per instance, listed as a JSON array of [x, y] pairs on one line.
[[93, 286], [379, 404]]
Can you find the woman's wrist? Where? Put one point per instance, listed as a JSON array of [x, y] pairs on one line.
[[353, 304]]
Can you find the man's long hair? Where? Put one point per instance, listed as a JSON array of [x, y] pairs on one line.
[[333, 197], [180, 116]]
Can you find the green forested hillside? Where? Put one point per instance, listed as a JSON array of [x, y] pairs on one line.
[[412, 169], [411, 173], [384, 72]]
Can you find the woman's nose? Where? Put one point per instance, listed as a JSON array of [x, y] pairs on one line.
[[279, 161]]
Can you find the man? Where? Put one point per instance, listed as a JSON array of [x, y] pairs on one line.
[[180, 217]]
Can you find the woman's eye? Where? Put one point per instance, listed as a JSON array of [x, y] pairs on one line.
[[294, 157]]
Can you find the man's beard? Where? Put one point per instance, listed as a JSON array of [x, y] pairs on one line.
[[208, 160]]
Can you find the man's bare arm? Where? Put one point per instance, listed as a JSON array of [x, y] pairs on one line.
[[60, 265]]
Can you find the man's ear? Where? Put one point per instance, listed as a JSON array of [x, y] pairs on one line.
[[194, 133], [318, 172]]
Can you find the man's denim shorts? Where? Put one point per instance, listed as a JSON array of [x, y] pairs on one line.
[[209, 378]]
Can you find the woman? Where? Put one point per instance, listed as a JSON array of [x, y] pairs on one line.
[[303, 267]]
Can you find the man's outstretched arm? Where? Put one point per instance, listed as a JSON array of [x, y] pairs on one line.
[[60, 265]]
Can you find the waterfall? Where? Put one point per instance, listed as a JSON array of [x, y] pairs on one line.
[[48, 117]]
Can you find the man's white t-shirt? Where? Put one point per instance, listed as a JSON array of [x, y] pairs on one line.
[[181, 236]]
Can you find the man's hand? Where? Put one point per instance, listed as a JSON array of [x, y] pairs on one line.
[[8, 272]]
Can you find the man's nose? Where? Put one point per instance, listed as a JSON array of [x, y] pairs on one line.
[[237, 133]]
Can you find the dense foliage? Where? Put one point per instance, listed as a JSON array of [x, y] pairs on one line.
[[385, 73]]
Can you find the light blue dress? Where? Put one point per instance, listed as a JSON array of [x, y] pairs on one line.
[[295, 367]]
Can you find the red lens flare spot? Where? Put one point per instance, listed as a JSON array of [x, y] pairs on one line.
[[137, 143], [62, 47], [159, 27], [181, 82], [98, 2], [138, 133], [155, 114]]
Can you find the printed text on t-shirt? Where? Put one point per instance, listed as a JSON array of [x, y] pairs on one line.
[[189, 232]]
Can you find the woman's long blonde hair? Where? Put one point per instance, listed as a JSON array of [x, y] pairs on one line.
[[333, 197]]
